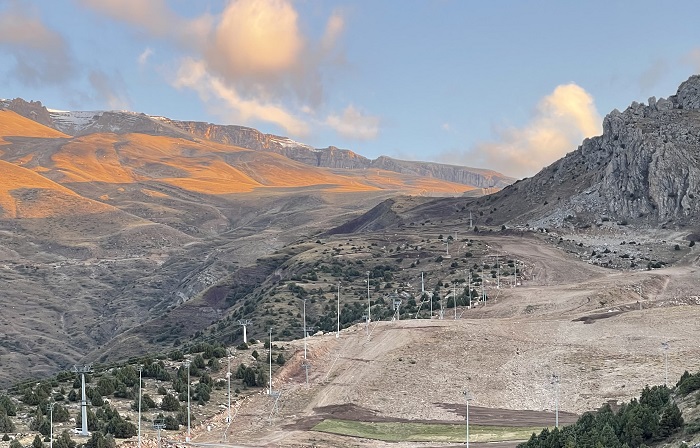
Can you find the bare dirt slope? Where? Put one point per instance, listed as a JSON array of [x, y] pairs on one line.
[[568, 317]]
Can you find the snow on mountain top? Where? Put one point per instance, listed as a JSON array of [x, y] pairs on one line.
[[289, 143], [77, 120]]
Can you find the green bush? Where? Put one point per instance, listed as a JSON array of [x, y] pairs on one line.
[[170, 403]]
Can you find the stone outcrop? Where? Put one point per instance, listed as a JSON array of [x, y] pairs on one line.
[[644, 168]]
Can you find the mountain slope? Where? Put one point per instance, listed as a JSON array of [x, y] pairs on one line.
[[82, 123]]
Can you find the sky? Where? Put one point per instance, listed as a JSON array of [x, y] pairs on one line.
[[508, 85]]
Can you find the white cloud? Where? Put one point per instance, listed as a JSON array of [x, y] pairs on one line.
[[254, 51], [353, 124], [560, 122], [214, 91], [255, 38], [334, 29], [41, 54], [145, 55]]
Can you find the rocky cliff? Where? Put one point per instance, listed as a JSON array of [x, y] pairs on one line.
[[644, 168], [332, 157]]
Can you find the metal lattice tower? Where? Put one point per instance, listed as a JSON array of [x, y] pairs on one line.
[[82, 370], [276, 395], [244, 323], [397, 309]]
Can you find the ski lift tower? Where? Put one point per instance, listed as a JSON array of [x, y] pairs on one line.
[[82, 370], [158, 424], [244, 323], [397, 309]]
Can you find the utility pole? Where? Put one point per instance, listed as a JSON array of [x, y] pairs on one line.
[[188, 438], [369, 304], [270, 390], [664, 345], [82, 370], [140, 370], [467, 398], [228, 377], [337, 331], [555, 381], [49, 408], [306, 366], [498, 274], [469, 288], [304, 328], [454, 297]]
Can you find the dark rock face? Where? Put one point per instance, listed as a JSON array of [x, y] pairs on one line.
[[33, 110]]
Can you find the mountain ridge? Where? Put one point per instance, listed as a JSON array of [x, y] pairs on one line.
[[87, 122]]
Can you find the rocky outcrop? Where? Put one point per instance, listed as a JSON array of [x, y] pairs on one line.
[[332, 157], [644, 168], [33, 110]]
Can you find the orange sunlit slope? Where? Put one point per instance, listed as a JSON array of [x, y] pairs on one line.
[[200, 166], [26, 194], [15, 125]]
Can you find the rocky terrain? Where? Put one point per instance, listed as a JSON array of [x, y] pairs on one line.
[[586, 267]]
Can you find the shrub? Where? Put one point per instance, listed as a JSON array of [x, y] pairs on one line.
[[170, 403]]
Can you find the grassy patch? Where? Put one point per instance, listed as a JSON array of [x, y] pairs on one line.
[[423, 432]]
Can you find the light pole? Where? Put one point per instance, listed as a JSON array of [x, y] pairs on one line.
[[369, 304], [50, 409], [82, 370], [555, 381], [337, 331], [228, 377], [304, 328], [664, 345], [188, 438], [269, 392], [140, 369], [467, 398]]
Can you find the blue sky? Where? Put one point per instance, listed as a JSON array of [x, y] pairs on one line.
[[506, 85]]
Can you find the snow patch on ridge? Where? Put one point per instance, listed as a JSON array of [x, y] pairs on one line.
[[74, 121], [289, 143]]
